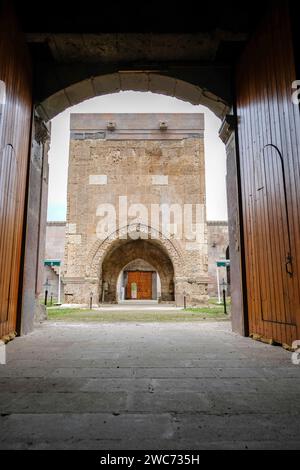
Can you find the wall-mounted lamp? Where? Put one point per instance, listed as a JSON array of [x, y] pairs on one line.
[[111, 126], [163, 125]]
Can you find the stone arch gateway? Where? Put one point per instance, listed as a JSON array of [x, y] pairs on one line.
[[128, 252], [131, 81], [224, 59], [108, 257]]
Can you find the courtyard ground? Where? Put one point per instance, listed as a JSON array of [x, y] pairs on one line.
[[147, 386]]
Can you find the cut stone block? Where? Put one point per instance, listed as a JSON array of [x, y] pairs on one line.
[[98, 180]]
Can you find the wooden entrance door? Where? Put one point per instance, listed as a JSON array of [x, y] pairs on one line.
[[268, 127], [143, 281], [15, 116]]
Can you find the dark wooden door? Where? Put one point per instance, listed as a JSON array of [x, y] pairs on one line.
[[143, 280], [269, 129], [273, 239], [15, 127], [8, 198]]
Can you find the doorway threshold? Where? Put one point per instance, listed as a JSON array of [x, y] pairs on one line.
[[138, 302]]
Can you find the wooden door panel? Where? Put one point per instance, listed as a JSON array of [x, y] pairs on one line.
[[133, 277], [16, 114], [143, 280], [145, 285], [272, 238], [269, 152], [8, 204]]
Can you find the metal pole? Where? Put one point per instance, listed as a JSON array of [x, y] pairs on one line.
[[103, 292], [46, 297], [219, 290], [224, 300], [59, 276]]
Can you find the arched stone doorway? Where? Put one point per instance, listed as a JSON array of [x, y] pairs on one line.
[[131, 252], [144, 277], [108, 258], [131, 81], [194, 92], [185, 283]]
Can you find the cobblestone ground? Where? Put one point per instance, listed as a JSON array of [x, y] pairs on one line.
[[147, 386]]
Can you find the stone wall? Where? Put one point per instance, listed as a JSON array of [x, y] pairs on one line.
[[50, 276], [55, 240], [36, 216], [54, 249], [218, 244], [145, 159]]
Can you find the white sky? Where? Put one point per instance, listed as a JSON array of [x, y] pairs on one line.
[[136, 102]]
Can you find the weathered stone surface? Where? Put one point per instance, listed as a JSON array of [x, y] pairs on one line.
[[147, 386], [239, 317], [35, 227], [218, 244], [40, 312], [134, 81], [162, 84], [80, 91], [188, 92], [105, 84], [54, 250], [56, 104]]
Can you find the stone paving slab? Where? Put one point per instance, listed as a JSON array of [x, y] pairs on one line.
[[147, 386]]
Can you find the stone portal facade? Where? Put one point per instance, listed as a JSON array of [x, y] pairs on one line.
[[136, 194], [217, 237]]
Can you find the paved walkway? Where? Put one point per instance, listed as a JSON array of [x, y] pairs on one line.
[[148, 386]]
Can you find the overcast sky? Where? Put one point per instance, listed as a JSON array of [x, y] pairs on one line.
[[136, 102]]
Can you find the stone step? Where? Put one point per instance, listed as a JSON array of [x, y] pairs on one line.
[[138, 302]]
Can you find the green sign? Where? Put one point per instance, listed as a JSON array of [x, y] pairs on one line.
[[52, 262], [223, 264]]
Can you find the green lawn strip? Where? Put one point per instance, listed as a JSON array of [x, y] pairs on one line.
[[214, 301], [85, 315], [207, 311]]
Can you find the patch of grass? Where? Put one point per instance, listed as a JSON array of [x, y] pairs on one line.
[[214, 301], [86, 315], [210, 311], [49, 304]]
